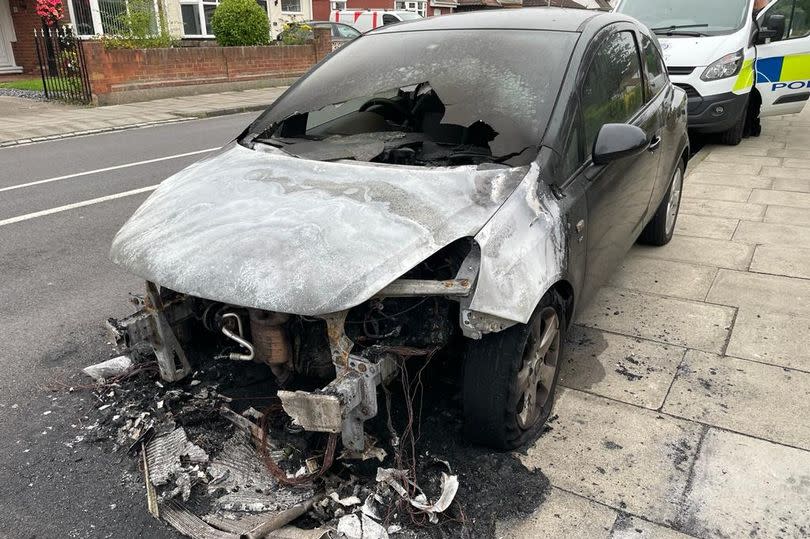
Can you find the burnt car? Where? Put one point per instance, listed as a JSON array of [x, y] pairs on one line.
[[423, 189]]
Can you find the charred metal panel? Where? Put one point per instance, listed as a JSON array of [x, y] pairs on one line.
[[523, 250], [274, 232]]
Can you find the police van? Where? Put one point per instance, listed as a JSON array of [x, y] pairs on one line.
[[735, 63]]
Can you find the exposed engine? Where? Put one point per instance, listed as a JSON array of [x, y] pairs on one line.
[[357, 349]]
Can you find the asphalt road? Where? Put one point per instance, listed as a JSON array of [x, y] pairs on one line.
[[61, 202]]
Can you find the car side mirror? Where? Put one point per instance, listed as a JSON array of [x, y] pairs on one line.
[[616, 141], [773, 28]]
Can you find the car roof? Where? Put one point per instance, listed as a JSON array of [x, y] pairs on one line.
[[530, 18]]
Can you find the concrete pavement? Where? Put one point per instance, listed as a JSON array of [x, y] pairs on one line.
[[23, 121], [687, 380]]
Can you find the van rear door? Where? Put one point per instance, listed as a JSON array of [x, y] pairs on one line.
[[783, 57]]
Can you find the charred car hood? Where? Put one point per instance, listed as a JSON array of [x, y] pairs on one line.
[[267, 230]]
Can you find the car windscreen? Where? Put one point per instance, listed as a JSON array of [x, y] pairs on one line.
[[690, 17], [450, 94]]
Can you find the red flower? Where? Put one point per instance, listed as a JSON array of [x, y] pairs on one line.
[[51, 11]]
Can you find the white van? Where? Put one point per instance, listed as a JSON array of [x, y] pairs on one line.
[[369, 19], [734, 64]]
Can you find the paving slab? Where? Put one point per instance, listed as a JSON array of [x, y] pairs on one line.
[[701, 226], [562, 514], [704, 251], [628, 369], [718, 192], [775, 338], [733, 180], [796, 163], [726, 152], [783, 259], [722, 208], [787, 215], [663, 277], [761, 293], [801, 185], [772, 234], [792, 153], [630, 527], [780, 198], [623, 456], [743, 487], [667, 320], [741, 160], [744, 396], [780, 172], [724, 167]]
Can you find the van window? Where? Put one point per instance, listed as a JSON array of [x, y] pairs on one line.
[[612, 91], [797, 17], [689, 17], [654, 67], [345, 31], [389, 19]]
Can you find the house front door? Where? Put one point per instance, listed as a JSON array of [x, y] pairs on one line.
[[7, 64]]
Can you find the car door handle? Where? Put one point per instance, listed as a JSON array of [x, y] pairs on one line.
[[655, 143]]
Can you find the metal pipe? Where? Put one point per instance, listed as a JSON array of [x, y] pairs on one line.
[[238, 338]]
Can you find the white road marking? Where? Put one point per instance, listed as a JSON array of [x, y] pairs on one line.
[[106, 169], [75, 205]]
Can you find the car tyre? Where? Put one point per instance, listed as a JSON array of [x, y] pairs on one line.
[[734, 135], [504, 370], [660, 229]]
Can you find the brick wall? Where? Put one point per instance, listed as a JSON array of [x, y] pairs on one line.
[[25, 19], [125, 75]]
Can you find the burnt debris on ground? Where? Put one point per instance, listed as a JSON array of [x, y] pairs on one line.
[[220, 459]]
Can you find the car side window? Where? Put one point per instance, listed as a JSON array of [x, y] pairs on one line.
[[654, 67], [574, 155], [797, 17], [612, 91]]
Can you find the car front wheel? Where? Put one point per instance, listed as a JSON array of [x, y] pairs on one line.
[[660, 229], [510, 378]]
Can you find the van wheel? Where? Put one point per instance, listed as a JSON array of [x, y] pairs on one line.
[[734, 135], [660, 229], [510, 378]]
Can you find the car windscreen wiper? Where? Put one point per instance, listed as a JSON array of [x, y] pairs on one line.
[[677, 29]]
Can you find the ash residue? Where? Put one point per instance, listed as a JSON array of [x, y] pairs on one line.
[[492, 486]]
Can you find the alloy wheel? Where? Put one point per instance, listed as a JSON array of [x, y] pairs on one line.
[[674, 201], [536, 375]]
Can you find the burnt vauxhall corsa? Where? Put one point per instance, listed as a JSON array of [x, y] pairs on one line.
[[426, 187]]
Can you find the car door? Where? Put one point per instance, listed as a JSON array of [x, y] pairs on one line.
[[618, 194], [660, 95], [783, 64]]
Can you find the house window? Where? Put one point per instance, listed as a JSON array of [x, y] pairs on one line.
[[197, 16], [338, 5], [417, 6], [291, 6], [98, 17]]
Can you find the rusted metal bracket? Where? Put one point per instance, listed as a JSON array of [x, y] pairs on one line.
[[407, 288], [349, 400], [345, 404], [172, 361]]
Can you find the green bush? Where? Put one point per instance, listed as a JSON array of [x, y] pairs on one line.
[[240, 22]]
